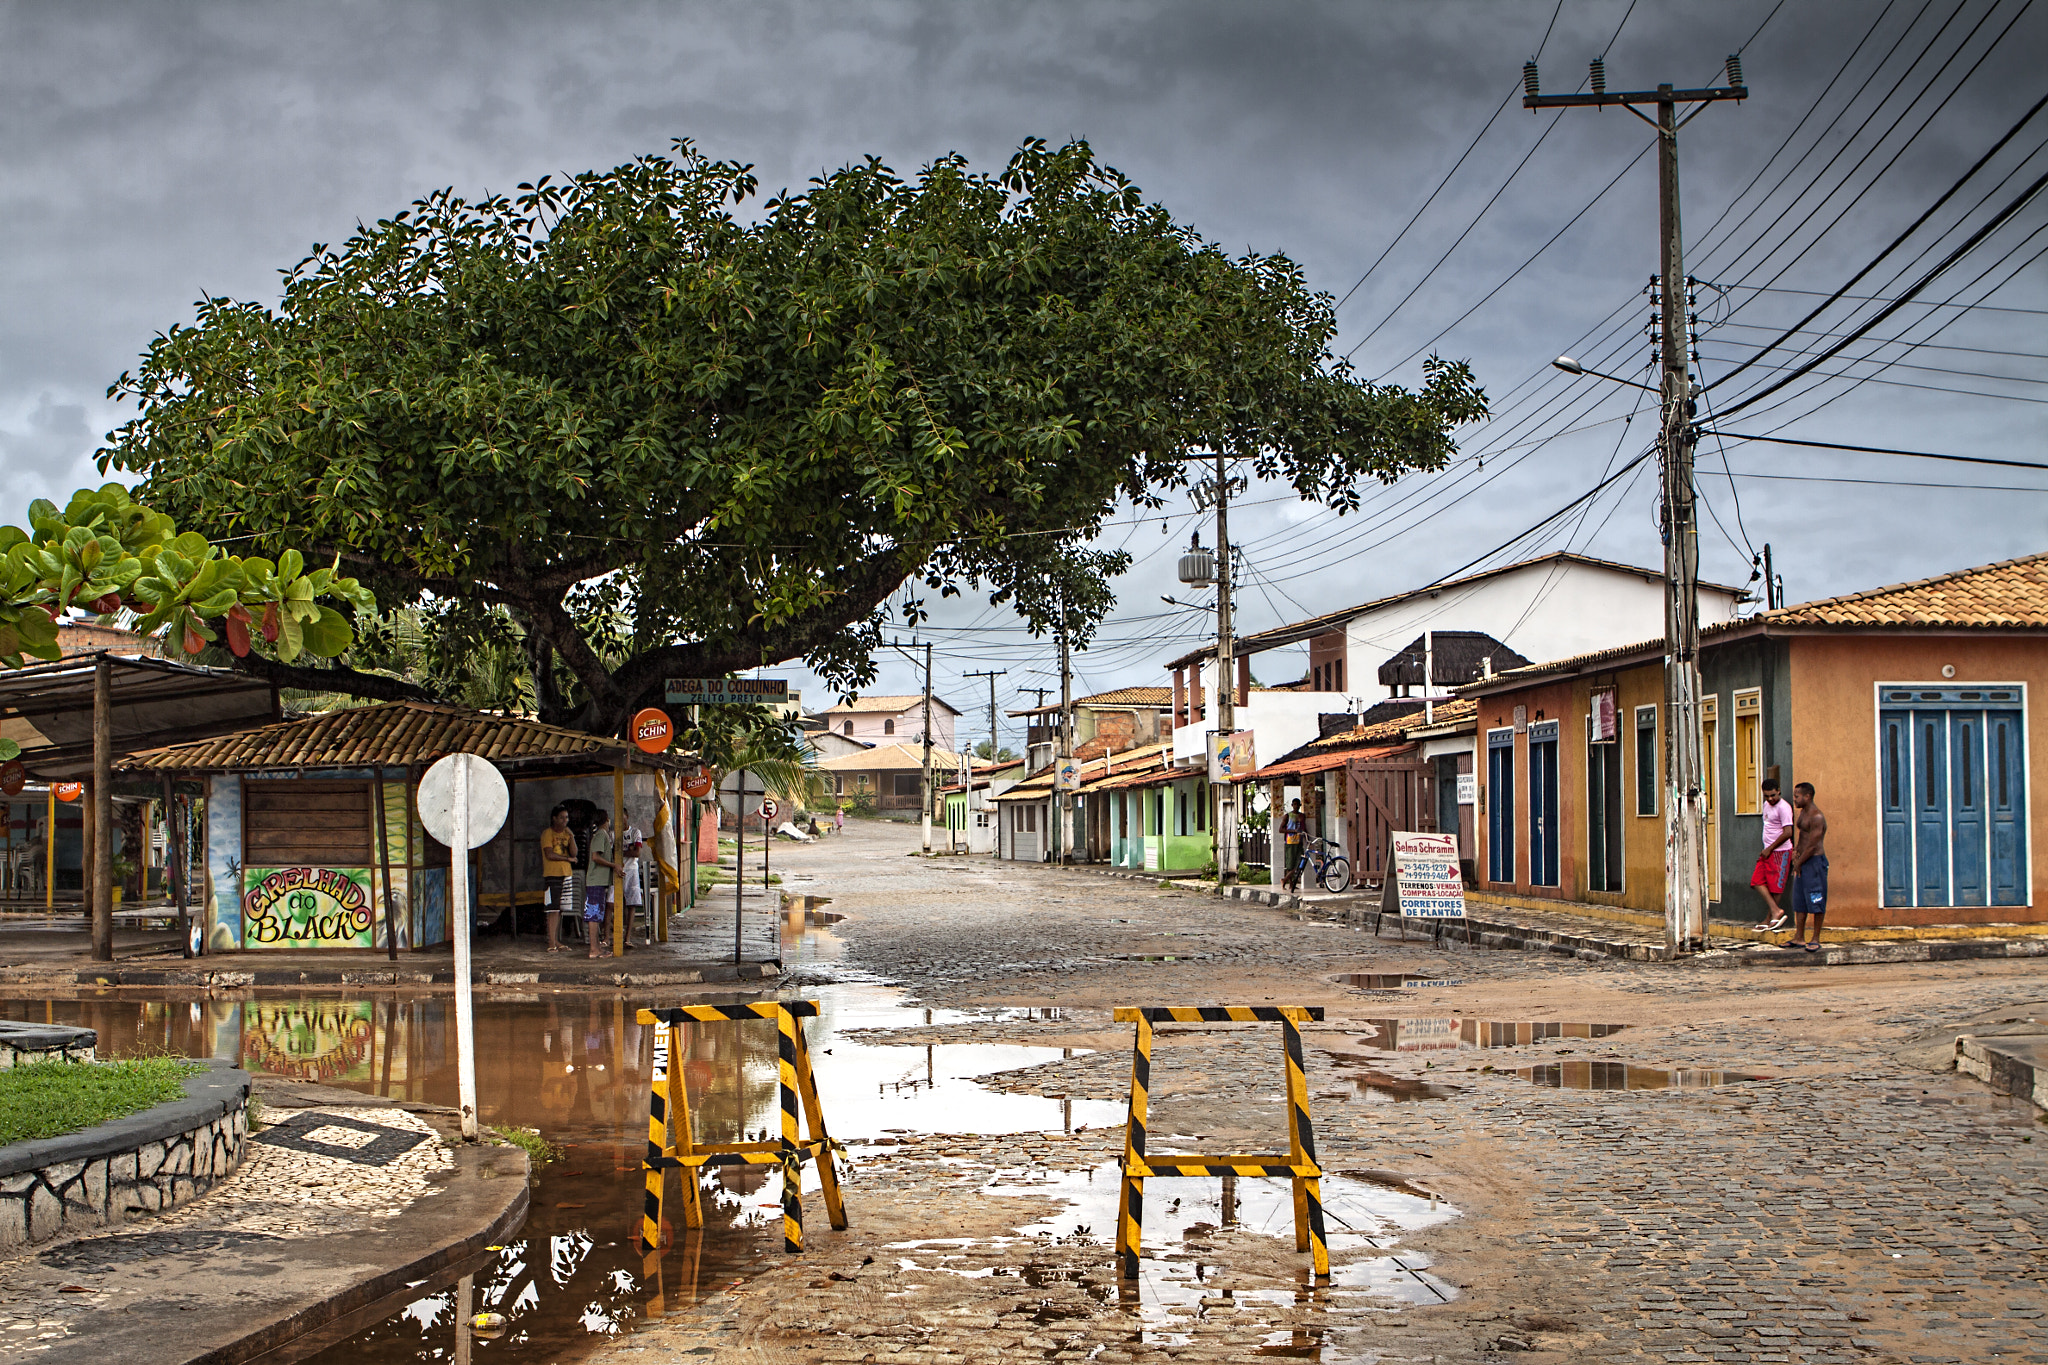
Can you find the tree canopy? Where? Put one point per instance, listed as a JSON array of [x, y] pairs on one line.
[[668, 439]]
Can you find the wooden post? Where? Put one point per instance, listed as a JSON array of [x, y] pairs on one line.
[[512, 853], [618, 879], [50, 854], [103, 809], [384, 862], [174, 867]]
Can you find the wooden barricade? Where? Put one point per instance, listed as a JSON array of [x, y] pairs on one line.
[[671, 1147], [1299, 1164]]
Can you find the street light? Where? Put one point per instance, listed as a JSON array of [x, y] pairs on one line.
[[1570, 366]]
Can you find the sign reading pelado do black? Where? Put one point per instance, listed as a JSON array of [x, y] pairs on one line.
[[719, 691]]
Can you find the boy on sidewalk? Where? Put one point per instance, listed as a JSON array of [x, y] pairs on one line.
[[1773, 864], [598, 885]]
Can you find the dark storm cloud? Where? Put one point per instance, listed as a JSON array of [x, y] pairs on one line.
[[154, 153]]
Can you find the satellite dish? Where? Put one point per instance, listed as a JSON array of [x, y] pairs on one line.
[[489, 799]]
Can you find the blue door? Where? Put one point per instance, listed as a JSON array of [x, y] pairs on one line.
[[1952, 797], [1894, 799], [1966, 803], [1930, 806], [1500, 805], [2005, 787], [1543, 803]]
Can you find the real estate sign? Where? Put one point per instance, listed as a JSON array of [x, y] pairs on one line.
[[718, 691], [1423, 881]]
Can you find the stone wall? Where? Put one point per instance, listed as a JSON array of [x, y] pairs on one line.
[[22, 1043], [129, 1168]]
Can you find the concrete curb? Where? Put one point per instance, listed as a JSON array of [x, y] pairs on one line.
[[211, 1095], [1741, 952], [228, 979], [2015, 1065], [445, 1247]]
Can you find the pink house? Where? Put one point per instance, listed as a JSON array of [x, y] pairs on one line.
[[879, 719]]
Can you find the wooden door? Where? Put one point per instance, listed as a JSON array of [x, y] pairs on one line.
[[1386, 795]]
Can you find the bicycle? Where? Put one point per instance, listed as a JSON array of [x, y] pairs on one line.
[[1331, 869]]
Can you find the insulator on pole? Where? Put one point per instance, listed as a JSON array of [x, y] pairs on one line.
[[1735, 68], [1529, 79], [1599, 75]]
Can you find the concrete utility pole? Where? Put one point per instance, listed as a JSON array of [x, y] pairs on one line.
[[927, 780], [1226, 681], [995, 748], [1685, 869], [1062, 801]]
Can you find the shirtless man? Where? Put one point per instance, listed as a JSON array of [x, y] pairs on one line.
[[1809, 898]]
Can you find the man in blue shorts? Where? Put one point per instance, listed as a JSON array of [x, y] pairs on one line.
[[1809, 899]]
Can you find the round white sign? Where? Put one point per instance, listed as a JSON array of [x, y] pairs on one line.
[[769, 809], [740, 792], [489, 799]]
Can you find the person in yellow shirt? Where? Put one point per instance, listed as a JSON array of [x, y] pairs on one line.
[[557, 870]]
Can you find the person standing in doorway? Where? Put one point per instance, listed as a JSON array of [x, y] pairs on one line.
[[598, 883], [557, 871], [1774, 863], [1809, 867], [1292, 827]]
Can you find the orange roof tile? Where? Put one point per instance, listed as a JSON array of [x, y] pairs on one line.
[[2011, 594]]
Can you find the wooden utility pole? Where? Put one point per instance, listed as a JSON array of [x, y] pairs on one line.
[[927, 748], [102, 809], [1063, 801], [1685, 869]]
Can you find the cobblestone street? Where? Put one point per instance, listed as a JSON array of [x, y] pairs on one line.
[[1840, 1195]]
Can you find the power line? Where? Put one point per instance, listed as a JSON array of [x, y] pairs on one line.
[[1881, 450]]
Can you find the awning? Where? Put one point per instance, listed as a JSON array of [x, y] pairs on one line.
[[403, 734], [47, 708]]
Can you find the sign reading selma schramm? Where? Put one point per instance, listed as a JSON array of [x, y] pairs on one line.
[[712, 691]]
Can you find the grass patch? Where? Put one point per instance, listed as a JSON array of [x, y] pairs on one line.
[[529, 1140], [50, 1099]]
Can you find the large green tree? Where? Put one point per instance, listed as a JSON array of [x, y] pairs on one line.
[[618, 399]]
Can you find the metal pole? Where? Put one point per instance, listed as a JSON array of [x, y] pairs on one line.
[[618, 875], [1226, 682], [458, 913], [103, 809]]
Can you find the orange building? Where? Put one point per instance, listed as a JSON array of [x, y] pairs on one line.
[[1910, 709]]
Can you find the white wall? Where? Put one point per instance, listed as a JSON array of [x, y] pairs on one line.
[[1544, 612], [1279, 722], [909, 725]]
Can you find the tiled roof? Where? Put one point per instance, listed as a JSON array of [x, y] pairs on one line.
[[1161, 697], [394, 734], [892, 758], [2011, 594], [1322, 762], [889, 705], [1366, 741]]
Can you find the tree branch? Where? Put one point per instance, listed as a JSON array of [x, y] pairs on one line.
[[866, 588], [377, 686]]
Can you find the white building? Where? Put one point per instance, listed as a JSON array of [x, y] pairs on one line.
[[1552, 607], [892, 719]]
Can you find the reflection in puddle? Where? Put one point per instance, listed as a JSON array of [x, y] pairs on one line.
[[1377, 1087], [1450, 1034], [1390, 981], [1623, 1076], [1175, 1281], [576, 1067]]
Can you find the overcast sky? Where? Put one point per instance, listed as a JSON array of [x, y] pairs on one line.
[[155, 152]]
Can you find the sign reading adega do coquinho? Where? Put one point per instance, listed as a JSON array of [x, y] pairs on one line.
[[717, 691]]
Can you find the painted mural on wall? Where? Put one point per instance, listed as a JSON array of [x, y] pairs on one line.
[[307, 907], [430, 904], [224, 865]]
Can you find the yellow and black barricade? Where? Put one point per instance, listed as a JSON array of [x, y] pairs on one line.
[[1299, 1164], [671, 1147]]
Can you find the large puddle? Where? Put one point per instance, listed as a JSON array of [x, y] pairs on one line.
[[1453, 1034], [576, 1068]]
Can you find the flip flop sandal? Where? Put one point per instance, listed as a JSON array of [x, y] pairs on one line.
[[1813, 947]]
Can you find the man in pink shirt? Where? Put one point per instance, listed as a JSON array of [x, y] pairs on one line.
[[1771, 865]]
